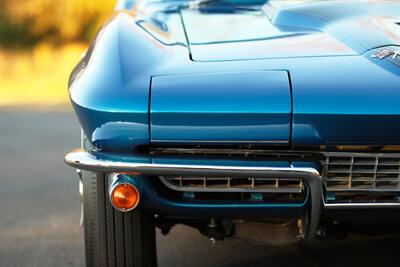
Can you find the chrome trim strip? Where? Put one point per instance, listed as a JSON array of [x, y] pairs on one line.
[[362, 190], [361, 205], [387, 154], [222, 141], [87, 161]]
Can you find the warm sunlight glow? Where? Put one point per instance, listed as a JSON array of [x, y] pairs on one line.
[[40, 43]]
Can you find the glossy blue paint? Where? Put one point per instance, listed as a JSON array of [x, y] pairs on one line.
[[221, 108], [359, 25], [340, 95], [113, 131], [347, 106], [113, 86]]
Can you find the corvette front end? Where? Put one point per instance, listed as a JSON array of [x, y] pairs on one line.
[[220, 113]]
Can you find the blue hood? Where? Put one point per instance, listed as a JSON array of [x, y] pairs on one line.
[[300, 75]]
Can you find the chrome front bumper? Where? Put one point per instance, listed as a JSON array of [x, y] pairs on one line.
[[143, 167], [109, 163], [101, 162]]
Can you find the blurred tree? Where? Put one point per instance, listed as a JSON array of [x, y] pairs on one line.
[[27, 22]]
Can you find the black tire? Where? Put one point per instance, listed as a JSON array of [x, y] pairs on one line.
[[114, 238]]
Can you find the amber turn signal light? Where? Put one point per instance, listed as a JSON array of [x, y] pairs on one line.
[[125, 197]]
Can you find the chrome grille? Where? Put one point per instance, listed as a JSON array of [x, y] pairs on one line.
[[232, 184], [369, 176], [358, 171]]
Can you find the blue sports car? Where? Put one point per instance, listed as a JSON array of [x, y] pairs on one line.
[[274, 121]]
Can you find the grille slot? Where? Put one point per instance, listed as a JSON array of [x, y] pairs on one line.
[[352, 171], [232, 184]]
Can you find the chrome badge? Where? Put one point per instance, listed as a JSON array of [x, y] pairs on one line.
[[386, 52]]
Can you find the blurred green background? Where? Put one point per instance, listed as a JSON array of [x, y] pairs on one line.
[[40, 42]]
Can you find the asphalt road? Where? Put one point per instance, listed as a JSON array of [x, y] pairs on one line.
[[39, 212]]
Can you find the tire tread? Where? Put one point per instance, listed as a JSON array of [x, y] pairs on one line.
[[113, 238]]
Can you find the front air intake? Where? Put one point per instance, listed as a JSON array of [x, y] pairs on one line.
[[371, 172], [232, 184]]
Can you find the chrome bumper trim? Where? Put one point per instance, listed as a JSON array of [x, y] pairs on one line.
[[361, 205], [86, 161], [90, 162], [99, 162]]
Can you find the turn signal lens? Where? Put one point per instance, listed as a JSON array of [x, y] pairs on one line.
[[125, 197]]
